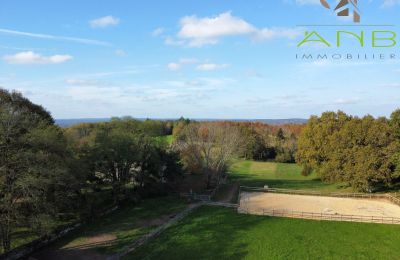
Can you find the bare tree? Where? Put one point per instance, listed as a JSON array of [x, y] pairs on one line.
[[208, 148]]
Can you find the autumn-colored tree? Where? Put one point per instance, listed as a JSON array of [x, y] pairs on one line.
[[341, 148]]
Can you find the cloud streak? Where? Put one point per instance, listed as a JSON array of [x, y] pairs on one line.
[[54, 37]]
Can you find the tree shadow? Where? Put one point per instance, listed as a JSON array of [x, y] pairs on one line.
[[126, 225], [255, 181]]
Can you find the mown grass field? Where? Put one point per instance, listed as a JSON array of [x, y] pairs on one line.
[[122, 227], [220, 233], [278, 175]]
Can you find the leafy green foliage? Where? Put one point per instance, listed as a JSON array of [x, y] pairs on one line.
[[359, 151], [35, 183]]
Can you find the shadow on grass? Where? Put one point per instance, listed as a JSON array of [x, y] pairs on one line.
[[208, 233], [256, 181], [121, 228]]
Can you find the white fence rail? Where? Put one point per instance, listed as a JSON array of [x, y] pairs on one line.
[[321, 216], [385, 196]]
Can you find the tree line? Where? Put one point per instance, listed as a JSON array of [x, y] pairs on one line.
[[49, 175], [363, 153]]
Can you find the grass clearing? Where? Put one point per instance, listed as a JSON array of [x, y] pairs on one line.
[[112, 233], [220, 233], [169, 139], [278, 175]]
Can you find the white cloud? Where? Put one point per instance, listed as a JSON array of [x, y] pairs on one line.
[[211, 66], [30, 57], [175, 66], [202, 66], [346, 101], [103, 22], [53, 37], [197, 32]]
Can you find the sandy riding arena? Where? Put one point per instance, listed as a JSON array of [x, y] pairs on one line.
[[319, 207]]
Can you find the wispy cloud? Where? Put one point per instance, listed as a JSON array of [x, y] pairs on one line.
[[120, 53], [390, 3], [197, 64], [105, 21], [308, 2], [211, 66], [177, 65], [157, 32], [54, 37], [346, 101], [30, 57], [391, 85], [197, 32]]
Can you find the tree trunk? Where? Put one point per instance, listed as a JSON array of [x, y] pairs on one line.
[[208, 183], [6, 238]]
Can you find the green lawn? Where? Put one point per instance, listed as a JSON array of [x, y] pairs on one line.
[[220, 233], [169, 139], [124, 225], [277, 175]]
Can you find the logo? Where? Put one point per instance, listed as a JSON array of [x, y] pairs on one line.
[[345, 8]]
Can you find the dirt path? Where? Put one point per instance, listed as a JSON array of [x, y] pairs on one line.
[[156, 232], [81, 251]]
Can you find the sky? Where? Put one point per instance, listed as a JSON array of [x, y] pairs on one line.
[[200, 59]]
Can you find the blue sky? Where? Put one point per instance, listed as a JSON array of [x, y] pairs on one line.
[[198, 59]]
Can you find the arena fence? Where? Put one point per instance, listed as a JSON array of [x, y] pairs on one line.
[[384, 196], [321, 216]]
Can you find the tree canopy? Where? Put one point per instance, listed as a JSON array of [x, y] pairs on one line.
[[362, 152]]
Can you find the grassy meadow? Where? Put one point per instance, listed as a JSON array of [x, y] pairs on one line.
[[220, 233], [277, 175]]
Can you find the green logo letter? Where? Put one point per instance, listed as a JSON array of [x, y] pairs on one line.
[[318, 39], [360, 38], [391, 39]]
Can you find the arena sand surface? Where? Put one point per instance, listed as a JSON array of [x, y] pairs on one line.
[[257, 201]]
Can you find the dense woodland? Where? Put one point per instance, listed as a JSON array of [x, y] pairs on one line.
[[363, 153], [50, 175]]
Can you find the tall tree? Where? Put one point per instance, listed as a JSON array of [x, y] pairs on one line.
[[34, 177], [358, 151]]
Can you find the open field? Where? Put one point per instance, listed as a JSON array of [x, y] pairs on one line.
[[278, 175], [112, 233], [256, 202], [220, 233]]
